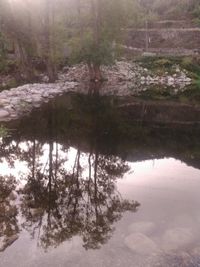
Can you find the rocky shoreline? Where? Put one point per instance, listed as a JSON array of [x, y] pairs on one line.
[[122, 79], [123, 71], [19, 101]]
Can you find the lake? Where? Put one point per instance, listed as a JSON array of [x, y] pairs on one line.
[[88, 181]]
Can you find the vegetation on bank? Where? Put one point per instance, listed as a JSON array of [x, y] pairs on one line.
[[3, 131], [45, 35], [168, 66], [68, 32], [190, 95]]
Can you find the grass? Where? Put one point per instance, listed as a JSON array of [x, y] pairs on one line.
[[161, 65], [197, 81], [168, 65]]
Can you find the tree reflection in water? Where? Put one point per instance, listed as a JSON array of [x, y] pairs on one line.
[[58, 202], [8, 212], [61, 204]]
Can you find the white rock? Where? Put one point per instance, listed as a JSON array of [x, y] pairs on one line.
[[170, 79], [4, 113], [28, 100], [45, 95], [188, 79], [148, 78]]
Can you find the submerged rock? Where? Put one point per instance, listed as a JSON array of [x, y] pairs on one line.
[[141, 244], [177, 238]]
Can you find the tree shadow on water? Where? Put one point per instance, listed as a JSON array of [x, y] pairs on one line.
[[60, 202], [67, 191]]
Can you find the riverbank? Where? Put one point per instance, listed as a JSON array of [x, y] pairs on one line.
[[122, 79]]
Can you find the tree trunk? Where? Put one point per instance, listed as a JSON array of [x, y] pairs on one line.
[[95, 73], [24, 62], [50, 67], [94, 69]]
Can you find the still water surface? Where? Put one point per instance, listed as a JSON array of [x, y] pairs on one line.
[[81, 185]]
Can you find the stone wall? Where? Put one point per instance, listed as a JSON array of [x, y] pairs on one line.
[[173, 41]]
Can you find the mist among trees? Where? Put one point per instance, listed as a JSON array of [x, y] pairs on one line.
[[45, 35]]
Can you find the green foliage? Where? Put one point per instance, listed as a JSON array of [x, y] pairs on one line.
[[157, 93], [96, 39], [3, 131], [2, 54], [77, 34], [192, 94], [196, 13], [86, 50], [191, 65], [160, 65]]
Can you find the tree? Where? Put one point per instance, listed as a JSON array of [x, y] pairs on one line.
[[102, 22], [16, 26]]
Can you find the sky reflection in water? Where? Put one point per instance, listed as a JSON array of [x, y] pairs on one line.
[[92, 194]]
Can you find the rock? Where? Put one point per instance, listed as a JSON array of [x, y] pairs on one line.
[[141, 244], [170, 79], [28, 100], [142, 227], [36, 99], [148, 78], [128, 74], [149, 54], [188, 79], [4, 101], [4, 113], [176, 238], [45, 95]]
